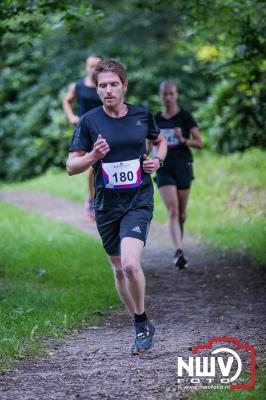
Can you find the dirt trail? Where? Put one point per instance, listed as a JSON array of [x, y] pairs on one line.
[[222, 294]]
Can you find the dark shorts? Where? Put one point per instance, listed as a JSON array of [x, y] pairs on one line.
[[179, 174], [113, 226]]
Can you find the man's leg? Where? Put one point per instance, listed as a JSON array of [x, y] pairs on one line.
[[121, 284], [131, 251]]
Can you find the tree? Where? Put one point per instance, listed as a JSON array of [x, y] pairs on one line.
[[215, 51]]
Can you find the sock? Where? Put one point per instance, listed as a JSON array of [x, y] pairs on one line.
[[141, 317]]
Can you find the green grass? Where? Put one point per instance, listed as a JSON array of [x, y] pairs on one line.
[[257, 393], [57, 183], [227, 204], [52, 277]]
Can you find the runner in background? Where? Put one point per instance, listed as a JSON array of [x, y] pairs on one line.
[[86, 97], [112, 138], [175, 177]]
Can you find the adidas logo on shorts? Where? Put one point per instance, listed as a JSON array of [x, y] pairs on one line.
[[136, 229]]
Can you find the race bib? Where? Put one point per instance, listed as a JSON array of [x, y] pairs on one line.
[[169, 135], [122, 174]]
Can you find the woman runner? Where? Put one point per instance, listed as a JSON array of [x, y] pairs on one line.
[[175, 176]]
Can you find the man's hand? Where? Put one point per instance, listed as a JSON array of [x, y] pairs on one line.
[[100, 148], [150, 165], [74, 119]]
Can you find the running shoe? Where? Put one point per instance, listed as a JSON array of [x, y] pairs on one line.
[[180, 260], [144, 337], [89, 210]]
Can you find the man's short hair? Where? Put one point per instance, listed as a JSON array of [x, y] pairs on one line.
[[109, 65]]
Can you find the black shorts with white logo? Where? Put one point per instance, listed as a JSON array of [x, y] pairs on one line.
[[113, 226]]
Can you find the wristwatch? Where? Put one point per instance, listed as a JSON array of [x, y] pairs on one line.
[[160, 160]]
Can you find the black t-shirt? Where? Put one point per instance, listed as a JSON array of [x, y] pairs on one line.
[[87, 97], [126, 137], [183, 120]]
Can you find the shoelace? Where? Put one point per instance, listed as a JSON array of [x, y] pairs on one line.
[[143, 335]]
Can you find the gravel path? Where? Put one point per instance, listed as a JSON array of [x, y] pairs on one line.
[[222, 294]]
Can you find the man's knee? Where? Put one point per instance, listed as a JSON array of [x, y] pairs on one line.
[[119, 274], [130, 267], [117, 267]]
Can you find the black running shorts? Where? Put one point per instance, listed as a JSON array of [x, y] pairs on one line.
[[113, 226], [180, 174]]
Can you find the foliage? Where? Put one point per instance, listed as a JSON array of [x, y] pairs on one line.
[[196, 44], [233, 118]]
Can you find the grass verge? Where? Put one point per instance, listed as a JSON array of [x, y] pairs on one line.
[[52, 277]]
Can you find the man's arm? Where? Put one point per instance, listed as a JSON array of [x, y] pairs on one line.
[[67, 104], [151, 165], [80, 161]]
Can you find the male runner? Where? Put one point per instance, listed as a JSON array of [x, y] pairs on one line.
[[175, 177], [86, 96], [112, 138]]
